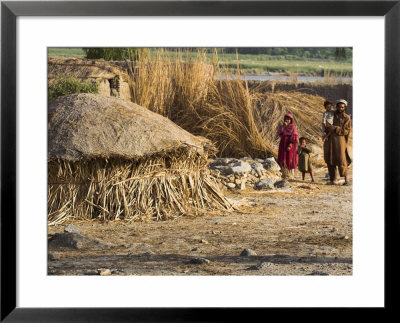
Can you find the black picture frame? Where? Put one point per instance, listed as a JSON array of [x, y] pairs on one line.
[[10, 10]]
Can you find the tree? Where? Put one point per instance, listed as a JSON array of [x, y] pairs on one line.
[[117, 54], [340, 53]]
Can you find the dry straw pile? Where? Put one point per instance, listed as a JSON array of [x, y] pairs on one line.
[[110, 158], [271, 107]]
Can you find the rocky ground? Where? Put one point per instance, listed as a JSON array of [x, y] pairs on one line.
[[289, 227]]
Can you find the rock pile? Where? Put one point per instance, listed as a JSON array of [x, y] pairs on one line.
[[246, 172]]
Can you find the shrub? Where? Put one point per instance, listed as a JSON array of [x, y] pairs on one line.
[[117, 54], [63, 85]]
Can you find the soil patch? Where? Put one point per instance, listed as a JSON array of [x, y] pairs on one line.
[[303, 232]]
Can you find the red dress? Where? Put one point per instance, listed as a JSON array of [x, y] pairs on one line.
[[288, 135]]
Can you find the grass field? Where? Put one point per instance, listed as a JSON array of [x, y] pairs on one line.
[[66, 52], [256, 64]]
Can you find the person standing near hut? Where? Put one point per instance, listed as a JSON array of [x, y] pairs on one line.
[[336, 146], [287, 154]]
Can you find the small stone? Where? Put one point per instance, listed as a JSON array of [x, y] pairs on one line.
[[104, 272], [230, 185], [318, 273], [67, 240], [265, 184], [199, 261], [271, 165], [72, 229], [333, 229], [238, 181], [282, 183], [92, 273], [194, 249], [239, 167], [260, 266], [241, 186], [204, 241], [248, 252], [346, 237]]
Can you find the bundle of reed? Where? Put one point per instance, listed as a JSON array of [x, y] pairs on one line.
[[306, 109], [166, 85], [227, 119], [113, 159], [185, 90]]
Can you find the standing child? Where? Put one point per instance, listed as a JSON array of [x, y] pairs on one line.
[[304, 159], [287, 157], [327, 118]]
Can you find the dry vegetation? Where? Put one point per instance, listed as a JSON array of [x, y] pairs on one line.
[[157, 188], [305, 108], [239, 121], [111, 159]]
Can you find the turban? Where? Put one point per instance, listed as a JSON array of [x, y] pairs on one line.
[[342, 101]]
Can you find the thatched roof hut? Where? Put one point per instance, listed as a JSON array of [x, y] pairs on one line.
[[113, 80], [112, 159]]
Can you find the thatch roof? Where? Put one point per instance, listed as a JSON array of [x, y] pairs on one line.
[[87, 126], [84, 68]]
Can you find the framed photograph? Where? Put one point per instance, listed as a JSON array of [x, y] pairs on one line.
[[206, 281]]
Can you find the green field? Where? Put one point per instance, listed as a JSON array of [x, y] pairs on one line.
[[66, 52], [263, 64], [258, 63]]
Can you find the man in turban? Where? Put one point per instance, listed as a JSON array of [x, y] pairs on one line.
[[336, 146]]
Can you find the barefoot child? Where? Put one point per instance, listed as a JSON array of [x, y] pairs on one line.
[[304, 159]]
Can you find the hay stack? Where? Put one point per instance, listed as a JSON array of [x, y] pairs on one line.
[[306, 109], [113, 159]]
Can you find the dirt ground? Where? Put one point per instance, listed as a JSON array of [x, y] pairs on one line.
[[304, 232]]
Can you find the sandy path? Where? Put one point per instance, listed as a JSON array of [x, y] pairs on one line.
[[304, 232]]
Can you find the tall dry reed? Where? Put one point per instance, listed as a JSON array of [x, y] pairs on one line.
[[306, 109], [185, 90]]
